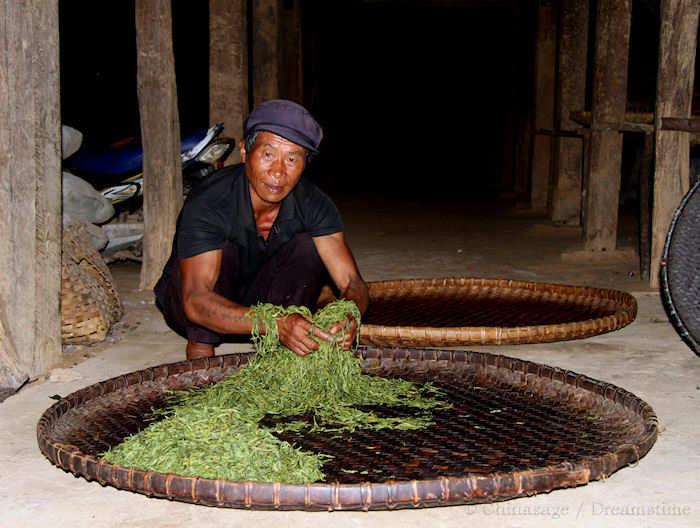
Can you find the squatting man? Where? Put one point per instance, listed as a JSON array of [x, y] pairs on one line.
[[258, 232]]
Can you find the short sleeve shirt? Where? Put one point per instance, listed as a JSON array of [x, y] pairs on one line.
[[220, 210]]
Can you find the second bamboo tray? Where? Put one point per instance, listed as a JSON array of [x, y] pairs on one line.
[[461, 311]]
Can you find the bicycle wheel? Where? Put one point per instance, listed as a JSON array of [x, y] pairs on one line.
[[679, 274]]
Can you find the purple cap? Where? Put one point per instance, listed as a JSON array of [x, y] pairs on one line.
[[287, 119]]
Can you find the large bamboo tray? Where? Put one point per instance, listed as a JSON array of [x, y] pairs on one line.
[[516, 428], [462, 311]]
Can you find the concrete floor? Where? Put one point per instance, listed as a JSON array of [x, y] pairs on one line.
[[647, 358]]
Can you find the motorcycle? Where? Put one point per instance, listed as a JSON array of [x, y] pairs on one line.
[[101, 181], [116, 170]]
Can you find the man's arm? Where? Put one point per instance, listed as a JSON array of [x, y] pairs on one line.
[[203, 306], [341, 266]]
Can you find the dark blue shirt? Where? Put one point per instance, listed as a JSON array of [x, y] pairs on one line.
[[220, 210]]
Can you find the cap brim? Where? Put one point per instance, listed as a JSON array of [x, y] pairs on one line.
[[287, 133]]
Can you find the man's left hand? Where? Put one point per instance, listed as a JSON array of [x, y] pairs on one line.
[[345, 338]]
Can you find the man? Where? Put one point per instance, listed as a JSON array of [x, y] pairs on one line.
[[258, 232]]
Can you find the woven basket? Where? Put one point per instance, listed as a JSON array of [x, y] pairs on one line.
[[89, 303], [679, 273], [467, 311], [515, 428]]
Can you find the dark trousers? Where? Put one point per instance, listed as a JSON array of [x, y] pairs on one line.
[[294, 275]]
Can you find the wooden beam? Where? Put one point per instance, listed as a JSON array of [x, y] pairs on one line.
[[584, 118], [571, 94], [674, 94], [266, 50], [681, 124], [633, 122], [30, 189], [160, 132], [609, 100], [545, 60], [228, 67]]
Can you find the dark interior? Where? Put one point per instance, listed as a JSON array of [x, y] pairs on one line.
[[419, 99]]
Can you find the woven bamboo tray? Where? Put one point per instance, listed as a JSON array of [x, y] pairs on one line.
[[467, 311], [516, 428]]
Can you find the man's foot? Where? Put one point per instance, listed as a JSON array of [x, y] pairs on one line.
[[197, 350]]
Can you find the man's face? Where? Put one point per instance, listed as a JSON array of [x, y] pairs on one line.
[[274, 166]]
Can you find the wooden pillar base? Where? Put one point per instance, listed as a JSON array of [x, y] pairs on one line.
[[541, 179], [566, 200]]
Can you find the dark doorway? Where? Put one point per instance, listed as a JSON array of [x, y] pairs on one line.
[[419, 99]]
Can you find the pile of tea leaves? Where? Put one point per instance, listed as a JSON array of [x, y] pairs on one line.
[[215, 431]]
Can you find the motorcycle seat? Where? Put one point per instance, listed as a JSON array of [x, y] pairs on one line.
[[119, 158]]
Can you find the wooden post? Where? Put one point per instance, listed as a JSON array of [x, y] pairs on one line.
[[674, 93], [228, 67], [291, 53], [523, 157], [160, 132], [266, 52], [545, 57], [571, 96], [608, 112], [645, 164], [30, 190]]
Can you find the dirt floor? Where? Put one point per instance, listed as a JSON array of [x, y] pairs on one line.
[[414, 240]]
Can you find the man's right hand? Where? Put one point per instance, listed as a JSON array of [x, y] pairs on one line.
[[295, 333]]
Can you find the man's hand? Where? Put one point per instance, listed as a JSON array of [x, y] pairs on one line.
[[341, 266], [295, 333], [348, 339]]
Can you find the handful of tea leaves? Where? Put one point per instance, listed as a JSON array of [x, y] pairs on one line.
[[215, 431]]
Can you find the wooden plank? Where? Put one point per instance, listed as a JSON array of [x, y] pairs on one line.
[[571, 94], [545, 64], [160, 130], [228, 68], [609, 99], [266, 50], [30, 188], [46, 91], [674, 93]]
